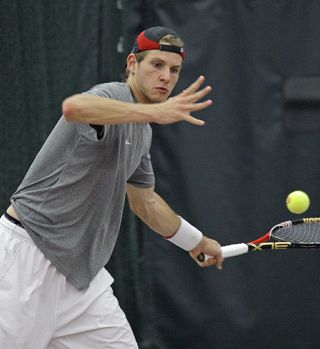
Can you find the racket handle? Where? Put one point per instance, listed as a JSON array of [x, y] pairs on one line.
[[234, 250], [228, 251]]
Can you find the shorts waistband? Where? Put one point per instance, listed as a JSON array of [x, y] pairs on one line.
[[11, 225], [12, 219]]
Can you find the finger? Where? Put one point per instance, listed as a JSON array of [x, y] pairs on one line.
[[199, 106], [200, 94], [212, 261], [194, 86], [194, 97], [219, 265], [219, 261], [194, 121]]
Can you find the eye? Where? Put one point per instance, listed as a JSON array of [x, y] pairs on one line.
[[157, 65], [175, 70]]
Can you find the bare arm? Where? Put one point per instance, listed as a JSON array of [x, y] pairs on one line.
[[157, 214], [103, 111]]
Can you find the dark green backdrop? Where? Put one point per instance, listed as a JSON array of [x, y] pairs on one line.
[[229, 178]]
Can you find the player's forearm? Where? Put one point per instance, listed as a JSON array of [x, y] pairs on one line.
[[103, 111], [156, 213]]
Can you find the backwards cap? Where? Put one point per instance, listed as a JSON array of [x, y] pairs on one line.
[[150, 39]]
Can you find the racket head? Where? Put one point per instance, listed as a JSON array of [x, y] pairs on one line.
[[302, 231]]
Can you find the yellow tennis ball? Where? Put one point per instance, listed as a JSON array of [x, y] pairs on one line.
[[298, 202]]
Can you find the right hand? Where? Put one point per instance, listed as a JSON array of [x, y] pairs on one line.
[[209, 247], [179, 107]]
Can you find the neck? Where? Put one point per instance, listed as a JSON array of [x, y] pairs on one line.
[[135, 91]]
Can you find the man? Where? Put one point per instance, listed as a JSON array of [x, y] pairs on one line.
[[62, 225]]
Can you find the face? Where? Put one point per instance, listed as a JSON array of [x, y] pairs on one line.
[[153, 79]]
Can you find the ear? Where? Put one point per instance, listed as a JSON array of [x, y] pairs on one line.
[[131, 63]]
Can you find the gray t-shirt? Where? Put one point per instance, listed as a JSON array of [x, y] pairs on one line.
[[71, 199]]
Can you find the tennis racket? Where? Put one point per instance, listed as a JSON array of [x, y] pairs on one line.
[[302, 233]]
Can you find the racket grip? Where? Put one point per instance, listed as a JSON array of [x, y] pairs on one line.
[[227, 251], [234, 250]]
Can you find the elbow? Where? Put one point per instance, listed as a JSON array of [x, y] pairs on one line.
[[71, 108]]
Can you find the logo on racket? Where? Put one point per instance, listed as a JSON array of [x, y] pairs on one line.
[[279, 245]]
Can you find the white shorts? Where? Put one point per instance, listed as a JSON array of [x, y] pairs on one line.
[[40, 309]]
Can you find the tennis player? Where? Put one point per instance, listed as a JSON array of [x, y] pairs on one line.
[[64, 218]]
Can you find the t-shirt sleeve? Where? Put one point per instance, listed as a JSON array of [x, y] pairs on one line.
[[100, 130], [143, 176], [101, 90]]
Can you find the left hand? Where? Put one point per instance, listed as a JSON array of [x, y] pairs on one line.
[[210, 247], [180, 107]]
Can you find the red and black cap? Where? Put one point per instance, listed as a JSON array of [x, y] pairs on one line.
[[150, 38]]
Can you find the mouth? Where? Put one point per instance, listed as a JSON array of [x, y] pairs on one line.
[[162, 90]]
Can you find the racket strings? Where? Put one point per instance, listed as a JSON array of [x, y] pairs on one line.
[[307, 233]]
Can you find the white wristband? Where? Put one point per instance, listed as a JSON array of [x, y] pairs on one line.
[[187, 236]]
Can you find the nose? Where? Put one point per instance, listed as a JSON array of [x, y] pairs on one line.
[[165, 75]]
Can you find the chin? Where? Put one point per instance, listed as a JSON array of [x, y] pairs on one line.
[[156, 97], [159, 98]]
